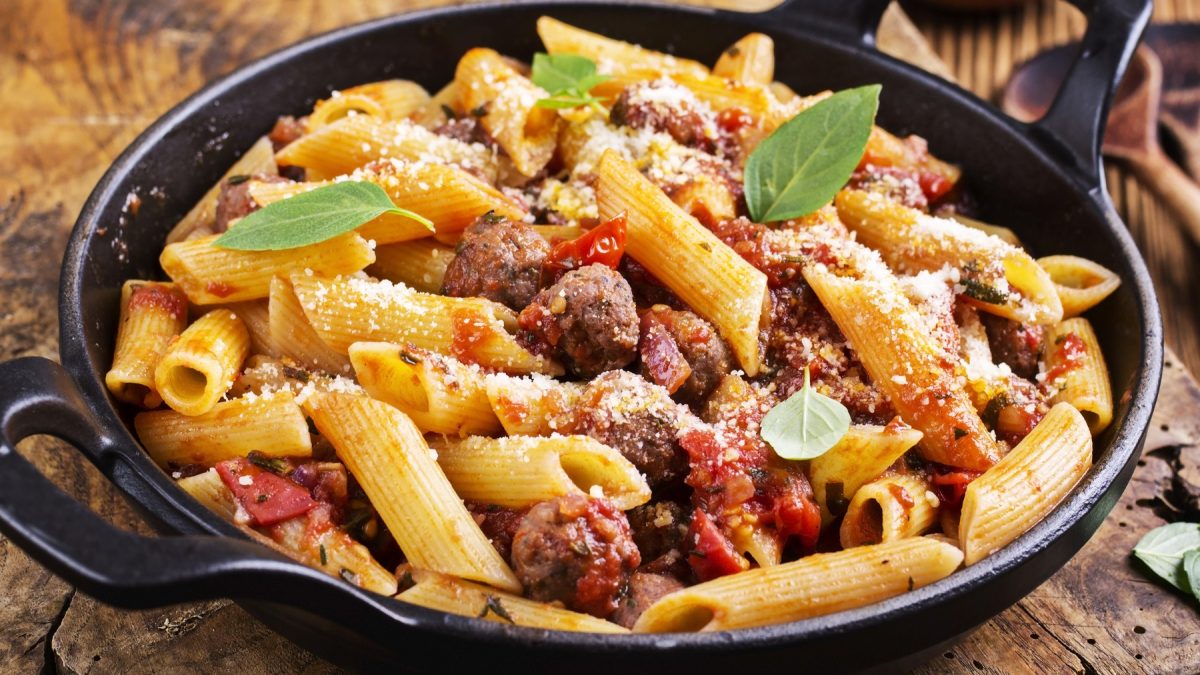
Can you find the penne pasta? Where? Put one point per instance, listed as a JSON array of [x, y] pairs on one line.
[[887, 509], [1081, 283], [289, 328], [210, 275], [258, 160], [710, 277], [864, 453], [1076, 372], [995, 276], [473, 330], [198, 367], [613, 57], [419, 264], [819, 584], [441, 394], [272, 425], [389, 458], [384, 100], [455, 596], [256, 315], [520, 471], [531, 406], [1026, 485], [750, 60], [152, 313]]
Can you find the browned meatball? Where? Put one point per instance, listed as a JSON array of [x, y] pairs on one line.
[[1017, 344], [575, 550], [637, 418], [587, 318], [698, 343], [667, 107], [234, 200], [658, 528], [499, 260], [645, 589]]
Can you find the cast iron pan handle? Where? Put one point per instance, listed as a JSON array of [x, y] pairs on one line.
[[1074, 124], [120, 567]]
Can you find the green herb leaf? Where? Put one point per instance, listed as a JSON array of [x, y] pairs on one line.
[[312, 217], [568, 78], [1191, 567], [492, 604], [1163, 550], [806, 425], [973, 288], [804, 163]]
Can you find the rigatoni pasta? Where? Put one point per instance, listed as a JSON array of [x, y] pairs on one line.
[[598, 395]]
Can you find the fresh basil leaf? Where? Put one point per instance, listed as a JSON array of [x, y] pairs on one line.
[[567, 78], [806, 425], [312, 217], [1163, 550], [1191, 567], [804, 163]]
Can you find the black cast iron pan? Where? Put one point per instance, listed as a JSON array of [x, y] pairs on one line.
[[1043, 180]]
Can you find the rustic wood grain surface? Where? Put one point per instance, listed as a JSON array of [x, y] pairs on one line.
[[80, 78]]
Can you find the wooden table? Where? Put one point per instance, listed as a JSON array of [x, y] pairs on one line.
[[79, 79]]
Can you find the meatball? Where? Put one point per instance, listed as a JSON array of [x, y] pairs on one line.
[[286, 130], [234, 200], [587, 318], [499, 260], [1017, 344], [645, 589], [638, 419], [659, 528], [575, 550], [698, 343], [667, 107]]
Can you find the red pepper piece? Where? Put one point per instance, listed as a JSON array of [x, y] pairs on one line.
[[268, 498], [712, 554]]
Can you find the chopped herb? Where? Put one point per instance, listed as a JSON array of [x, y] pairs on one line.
[[298, 374], [698, 553], [567, 78], [910, 583], [480, 111], [959, 432], [757, 473], [409, 358], [835, 498], [449, 112], [356, 519], [982, 292], [324, 558], [313, 217], [406, 580], [261, 498], [884, 561], [492, 604], [238, 179], [991, 412], [494, 508], [580, 547], [272, 464], [491, 218], [1061, 338]]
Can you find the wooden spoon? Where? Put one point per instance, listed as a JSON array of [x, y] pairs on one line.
[[1132, 132], [1177, 46]]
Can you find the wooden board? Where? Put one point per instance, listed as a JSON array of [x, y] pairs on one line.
[[79, 79]]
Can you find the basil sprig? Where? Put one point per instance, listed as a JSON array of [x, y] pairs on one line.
[[312, 217], [803, 164], [568, 78], [1173, 553], [806, 425]]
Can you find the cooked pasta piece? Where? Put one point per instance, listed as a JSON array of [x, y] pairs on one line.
[[1002, 233], [903, 360], [441, 394], [151, 314], [1081, 283], [887, 509], [819, 584], [384, 100], [332, 551], [447, 594], [273, 425], [446, 195], [1026, 485], [348, 310], [1076, 372], [198, 368], [995, 276], [257, 317], [352, 142], [520, 471], [433, 113], [531, 406], [750, 60], [865, 452], [297, 339], [259, 159], [612, 57], [210, 275], [506, 100], [419, 264], [710, 277]]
